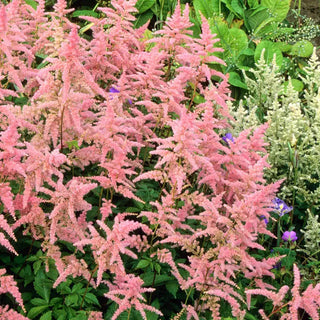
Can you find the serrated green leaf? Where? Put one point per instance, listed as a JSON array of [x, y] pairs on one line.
[[36, 266], [35, 311], [39, 302], [47, 316], [91, 298], [43, 286], [77, 287], [72, 299]]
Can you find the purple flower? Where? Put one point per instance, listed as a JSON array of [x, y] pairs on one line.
[[277, 265], [113, 90], [281, 206], [228, 136], [264, 219], [289, 236]]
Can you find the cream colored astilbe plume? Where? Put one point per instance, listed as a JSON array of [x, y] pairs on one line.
[[294, 127]]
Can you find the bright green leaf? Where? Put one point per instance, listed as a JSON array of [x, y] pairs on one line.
[[144, 5], [235, 80], [278, 8], [72, 299], [270, 50], [143, 264], [303, 48], [32, 3], [35, 311], [47, 316], [85, 13]]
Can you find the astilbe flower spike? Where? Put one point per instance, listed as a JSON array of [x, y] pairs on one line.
[[130, 288]]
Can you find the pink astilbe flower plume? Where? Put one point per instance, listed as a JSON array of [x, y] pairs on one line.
[[127, 292]]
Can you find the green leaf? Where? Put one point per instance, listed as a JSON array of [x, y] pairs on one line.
[[254, 17], [43, 287], [32, 3], [39, 302], [77, 287], [91, 298], [47, 316], [296, 84], [143, 18], [235, 42], [235, 80], [277, 8], [144, 5], [303, 48], [35, 311], [143, 264], [159, 279], [172, 287], [270, 49], [72, 299], [84, 13], [206, 7]]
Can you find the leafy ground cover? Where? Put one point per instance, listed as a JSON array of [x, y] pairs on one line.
[[132, 184]]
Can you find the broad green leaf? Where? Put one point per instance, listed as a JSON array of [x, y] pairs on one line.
[[235, 80], [144, 5], [283, 46], [35, 311], [207, 7], [270, 50], [303, 48], [278, 8], [296, 84], [254, 17], [237, 41], [143, 18], [85, 13]]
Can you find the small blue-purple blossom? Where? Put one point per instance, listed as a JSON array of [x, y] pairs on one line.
[[289, 236], [281, 206], [228, 137], [277, 265], [264, 219], [113, 90]]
